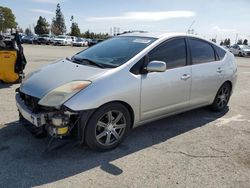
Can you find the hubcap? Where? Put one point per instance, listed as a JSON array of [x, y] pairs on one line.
[[223, 97], [110, 128]]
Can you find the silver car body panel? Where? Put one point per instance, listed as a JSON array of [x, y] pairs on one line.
[[57, 74], [151, 96]]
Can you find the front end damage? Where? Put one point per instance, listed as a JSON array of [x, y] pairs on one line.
[[58, 123]]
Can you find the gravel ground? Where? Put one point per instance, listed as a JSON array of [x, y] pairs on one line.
[[193, 149]]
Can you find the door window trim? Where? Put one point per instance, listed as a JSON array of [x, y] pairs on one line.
[[216, 58], [137, 68]]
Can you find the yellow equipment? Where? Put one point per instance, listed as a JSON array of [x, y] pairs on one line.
[[8, 59]]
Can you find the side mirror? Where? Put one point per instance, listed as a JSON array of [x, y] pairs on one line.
[[156, 66]]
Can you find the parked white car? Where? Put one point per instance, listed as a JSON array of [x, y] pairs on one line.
[[80, 42], [126, 81], [240, 50], [62, 40]]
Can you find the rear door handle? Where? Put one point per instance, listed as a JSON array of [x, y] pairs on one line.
[[185, 76], [219, 70]]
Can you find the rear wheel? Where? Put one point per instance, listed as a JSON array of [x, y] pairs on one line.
[[107, 127], [240, 55], [222, 98]]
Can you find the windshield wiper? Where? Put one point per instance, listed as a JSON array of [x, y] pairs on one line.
[[90, 62]]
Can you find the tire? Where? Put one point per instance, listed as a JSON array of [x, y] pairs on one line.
[[240, 55], [222, 98], [107, 127]]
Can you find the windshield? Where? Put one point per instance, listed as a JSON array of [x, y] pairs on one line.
[[61, 37], [79, 40], [115, 51]]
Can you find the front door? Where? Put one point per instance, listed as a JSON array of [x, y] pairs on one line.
[[169, 91]]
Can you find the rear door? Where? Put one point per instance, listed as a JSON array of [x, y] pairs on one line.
[[169, 91], [207, 72]]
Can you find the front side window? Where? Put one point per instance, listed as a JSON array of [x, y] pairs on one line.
[[173, 53], [201, 51]]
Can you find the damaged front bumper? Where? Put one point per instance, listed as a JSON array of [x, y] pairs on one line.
[[56, 122]]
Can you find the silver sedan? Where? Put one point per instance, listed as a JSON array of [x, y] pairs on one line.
[[99, 94]]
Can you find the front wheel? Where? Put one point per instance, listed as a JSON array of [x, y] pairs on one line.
[[107, 127], [222, 98]]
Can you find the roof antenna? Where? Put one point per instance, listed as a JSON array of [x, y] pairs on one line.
[[190, 31]]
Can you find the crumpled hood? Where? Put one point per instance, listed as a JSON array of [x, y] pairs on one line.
[[57, 74]]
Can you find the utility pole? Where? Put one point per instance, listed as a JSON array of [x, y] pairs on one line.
[[110, 31], [2, 22], [236, 38]]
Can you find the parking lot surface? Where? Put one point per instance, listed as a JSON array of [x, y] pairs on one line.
[[199, 148]]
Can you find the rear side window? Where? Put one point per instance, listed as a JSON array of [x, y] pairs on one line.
[[172, 52], [202, 52], [220, 52]]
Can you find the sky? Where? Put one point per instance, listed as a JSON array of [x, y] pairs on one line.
[[211, 18]]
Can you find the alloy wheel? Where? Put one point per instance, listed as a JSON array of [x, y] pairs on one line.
[[223, 97], [110, 128]]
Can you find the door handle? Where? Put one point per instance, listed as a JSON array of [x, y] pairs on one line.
[[219, 70], [185, 76]]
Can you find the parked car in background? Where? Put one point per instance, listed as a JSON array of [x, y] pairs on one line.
[[94, 41], [73, 38], [43, 39], [62, 40], [28, 39], [126, 81], [240, 50], [80, 42]]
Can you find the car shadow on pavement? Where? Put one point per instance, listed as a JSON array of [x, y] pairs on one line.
[[25, 164]]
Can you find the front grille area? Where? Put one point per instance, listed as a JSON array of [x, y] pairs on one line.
[[30, 102]]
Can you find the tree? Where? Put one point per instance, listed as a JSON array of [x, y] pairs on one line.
[[239, 41], [42, 26], [214, 40], [20, 29], [7, 19], [75, 31], [92, 35], [221, 43], [226, 42], [58, 23], [28, 31], [245, 42]]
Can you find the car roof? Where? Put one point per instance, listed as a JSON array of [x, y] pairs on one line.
[[156, 34], [161, 35]]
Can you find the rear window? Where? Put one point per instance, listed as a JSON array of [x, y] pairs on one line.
[[220, 52]]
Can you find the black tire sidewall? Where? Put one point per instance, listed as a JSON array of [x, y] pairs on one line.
[[215, 104], [90, 138]]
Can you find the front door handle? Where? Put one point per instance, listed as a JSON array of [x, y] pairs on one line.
[[219, 70], [185, 76]]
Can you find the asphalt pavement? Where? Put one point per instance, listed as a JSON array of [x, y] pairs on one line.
[[198, 148]]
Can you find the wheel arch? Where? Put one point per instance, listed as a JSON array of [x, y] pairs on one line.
[[126, 105], [229, 82]]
